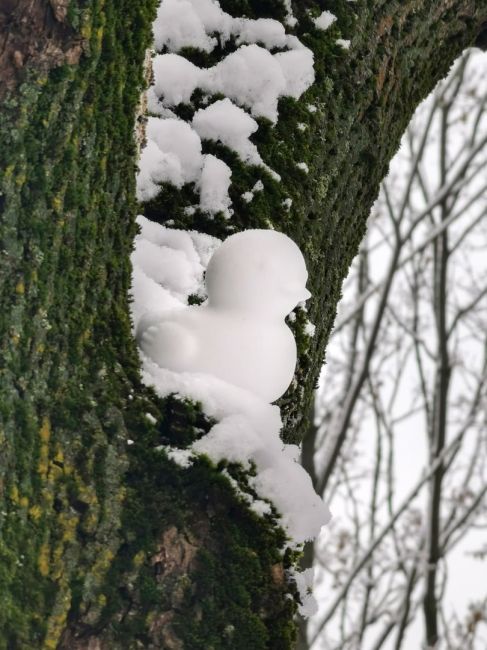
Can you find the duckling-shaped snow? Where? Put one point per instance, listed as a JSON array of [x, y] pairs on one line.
[[253, 281]]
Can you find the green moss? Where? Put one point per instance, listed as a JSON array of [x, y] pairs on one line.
[[83, 516], [67, 185]]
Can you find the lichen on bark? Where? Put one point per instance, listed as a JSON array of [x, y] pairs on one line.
[[108, 545]]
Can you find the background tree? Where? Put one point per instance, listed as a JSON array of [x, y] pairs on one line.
[[400, 439], [103, 544]]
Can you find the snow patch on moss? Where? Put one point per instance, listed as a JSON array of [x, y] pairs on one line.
[[267, 64]]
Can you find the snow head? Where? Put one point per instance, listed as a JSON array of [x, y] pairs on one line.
[[259, 271], [253, 280]]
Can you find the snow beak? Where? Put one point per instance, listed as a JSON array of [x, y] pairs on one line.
[[305, 295]]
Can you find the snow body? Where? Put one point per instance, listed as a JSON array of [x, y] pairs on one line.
[[253, 281]]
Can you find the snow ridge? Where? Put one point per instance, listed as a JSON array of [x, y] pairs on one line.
[[251, 78]]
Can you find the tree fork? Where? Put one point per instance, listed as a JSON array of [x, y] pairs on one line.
[[105, 544]]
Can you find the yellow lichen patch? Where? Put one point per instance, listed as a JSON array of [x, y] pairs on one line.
[[86, 493], [57, 202], [90, 521], [8, 171], [20, 180], [85, 336], [45, 430], [57, 621], [43, 560], [68, 524], [20, 288], [99, 35], [86, 30], [68, 468], [102, 600], [57, 563], [35, 512], [139, 559], [14, 495], [103, 563], [45, 435], [15, 339], [24, 502]]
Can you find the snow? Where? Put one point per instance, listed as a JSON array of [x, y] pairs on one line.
[[343, 43], [234, 354], [325, 20], [303, 167], [267, 64], [189, 23], [253, 281], [252, 77], [177, 26], [182, 257], [154, 168], [248, 431], [298, 69], [287, 203], [290, 19], [270, 33], [181, 146], [175, 79], [304, 583], [232, 126], [173, 267], [309, 329], [249, 196], [213, 185], [182, 457], [173, 155]]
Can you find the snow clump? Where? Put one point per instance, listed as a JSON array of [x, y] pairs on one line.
[[325, 20], [254, 280], [233, 354], [267, 64]]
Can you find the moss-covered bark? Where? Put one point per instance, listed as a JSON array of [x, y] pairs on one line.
[[110, 544]]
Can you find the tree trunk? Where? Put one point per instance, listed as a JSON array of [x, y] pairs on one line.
[[105, 544]]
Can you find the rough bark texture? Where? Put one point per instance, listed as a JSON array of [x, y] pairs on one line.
[[104, 545]]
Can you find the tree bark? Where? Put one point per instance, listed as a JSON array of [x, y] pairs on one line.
[[105, 544]]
